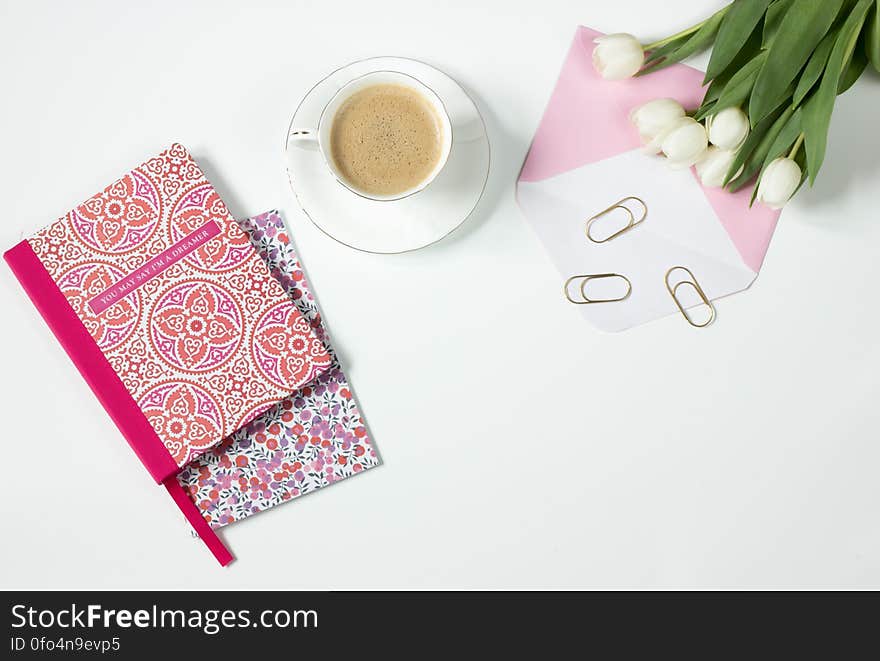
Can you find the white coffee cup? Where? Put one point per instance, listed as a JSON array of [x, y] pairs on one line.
[[321, 134]]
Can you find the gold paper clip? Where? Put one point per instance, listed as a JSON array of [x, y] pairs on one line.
[[673, 291], [620, 204], [583, 288]]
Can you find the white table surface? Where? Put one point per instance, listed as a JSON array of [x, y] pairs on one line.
[[521, 447]]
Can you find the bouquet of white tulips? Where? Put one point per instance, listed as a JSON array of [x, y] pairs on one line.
[[775, 70]]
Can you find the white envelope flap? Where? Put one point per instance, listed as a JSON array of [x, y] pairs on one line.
[[681, 229]]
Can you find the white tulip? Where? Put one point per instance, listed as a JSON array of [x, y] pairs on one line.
[[618, 56], [685, 143], [654, 119], [728, 128], [714, 166], [779, 182]]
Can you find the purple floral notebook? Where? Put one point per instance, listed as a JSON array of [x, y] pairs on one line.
[[314, 438]]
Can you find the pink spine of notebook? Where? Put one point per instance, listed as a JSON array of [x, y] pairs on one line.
[[105, 383], [89, 360]]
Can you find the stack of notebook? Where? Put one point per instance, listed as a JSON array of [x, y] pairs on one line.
[[202, 340]]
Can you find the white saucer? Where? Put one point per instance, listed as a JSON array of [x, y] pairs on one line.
[[401, 225]]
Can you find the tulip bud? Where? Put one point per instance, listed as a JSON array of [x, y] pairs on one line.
[[617, 56], [654, 119], [715, 165], [685, 143], [778, 182], [728, 128]]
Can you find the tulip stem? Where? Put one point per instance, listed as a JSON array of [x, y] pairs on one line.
[[797, 145], [678, 35], [684, 33]]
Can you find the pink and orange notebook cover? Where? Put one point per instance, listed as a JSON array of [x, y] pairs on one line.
[[168, 312]]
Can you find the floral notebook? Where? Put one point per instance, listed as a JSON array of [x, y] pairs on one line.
[[167, 310], [314, 438]]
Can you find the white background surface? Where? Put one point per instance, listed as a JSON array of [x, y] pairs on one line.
[[521, 447]]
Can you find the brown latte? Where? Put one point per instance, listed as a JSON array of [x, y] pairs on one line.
[[386, 139]]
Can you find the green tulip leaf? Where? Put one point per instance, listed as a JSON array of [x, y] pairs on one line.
[[818, 109], [741, 83], [716, 87], [784, 139], [736, 27], [801, 159], [872, 37], [815, 66], [697, 42], [704, 111], [856, 67], [799, 33], [713, 91], [658, 54], [772, 19]]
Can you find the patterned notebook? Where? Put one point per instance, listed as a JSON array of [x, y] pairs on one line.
[[166, 309], [314, 438]]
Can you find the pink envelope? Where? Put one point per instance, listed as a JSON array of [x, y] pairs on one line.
[[586, 156]]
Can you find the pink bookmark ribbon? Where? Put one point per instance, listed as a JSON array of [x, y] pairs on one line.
[[192, 514]]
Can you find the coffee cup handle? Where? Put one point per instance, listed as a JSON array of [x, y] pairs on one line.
[[304, 138]]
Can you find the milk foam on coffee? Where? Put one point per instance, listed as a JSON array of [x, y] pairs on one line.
[[386, 139]]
